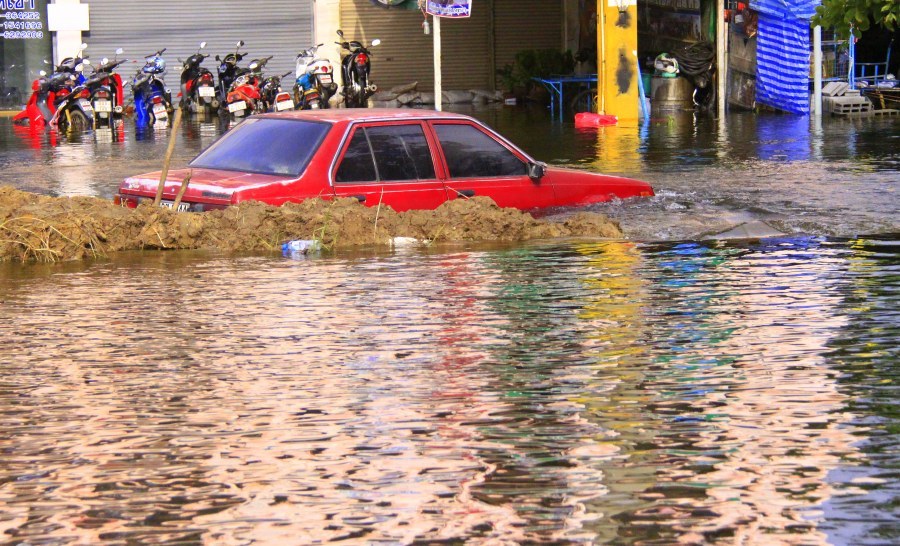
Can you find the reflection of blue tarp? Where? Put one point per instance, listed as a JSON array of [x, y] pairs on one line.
[[782, 53]]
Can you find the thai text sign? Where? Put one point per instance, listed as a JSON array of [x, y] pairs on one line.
[[449, 8], [22, 20]]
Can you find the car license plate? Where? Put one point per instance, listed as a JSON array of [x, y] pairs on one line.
[[103, 106], [85, 105], [206, 91], [325, 78], [182, 207], [237, 106], [284, 105]]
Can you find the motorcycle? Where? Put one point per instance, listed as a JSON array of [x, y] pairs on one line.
[[152, 100], [46, 89], [107, 92], [244, 96], [42, 104], [198, 87], [315, 80], [355, 68], [274, 97], [228, 70], [74, 112]]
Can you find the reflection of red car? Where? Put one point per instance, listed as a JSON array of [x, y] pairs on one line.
[[402, 158]]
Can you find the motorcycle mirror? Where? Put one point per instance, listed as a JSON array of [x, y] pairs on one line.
[[217, 58], [241, 43], [43, 73], [82, 47], [254, 66], [202, 45], [104, 60], [375, 42], [119, 51], [340, 33]]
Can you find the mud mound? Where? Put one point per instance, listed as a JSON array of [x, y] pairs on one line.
[[40, 228]]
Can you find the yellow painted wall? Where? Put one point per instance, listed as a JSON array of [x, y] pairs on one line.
[[617, 58]]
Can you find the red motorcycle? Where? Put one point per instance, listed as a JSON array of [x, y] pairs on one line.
[[45, 95], [47, 91], [244, 98]]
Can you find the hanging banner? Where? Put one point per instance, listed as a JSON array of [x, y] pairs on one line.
[[449, 8]]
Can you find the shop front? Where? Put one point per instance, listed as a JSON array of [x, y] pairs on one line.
[[281, 28]]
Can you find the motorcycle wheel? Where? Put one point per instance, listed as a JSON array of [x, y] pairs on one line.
[[78, 122]]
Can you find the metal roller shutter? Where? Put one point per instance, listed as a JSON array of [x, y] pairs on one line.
[[268, 27], [526, 24], [406, 53]]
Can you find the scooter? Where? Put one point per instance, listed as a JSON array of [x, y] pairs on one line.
[[46, 89], [106, 92], [315, 80], [152, 100], [244, 97], [355, 68], [198, 87], [42, 104], [228, 71], [274, 97], [74, 112], [113, 81]]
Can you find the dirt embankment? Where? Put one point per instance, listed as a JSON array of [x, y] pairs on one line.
[[41, 228]]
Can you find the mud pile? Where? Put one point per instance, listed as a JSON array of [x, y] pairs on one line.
[[41, 228]]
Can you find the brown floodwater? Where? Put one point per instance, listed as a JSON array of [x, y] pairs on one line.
[[669, 388]]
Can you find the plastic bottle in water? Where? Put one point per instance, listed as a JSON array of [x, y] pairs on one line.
[[300, 246]]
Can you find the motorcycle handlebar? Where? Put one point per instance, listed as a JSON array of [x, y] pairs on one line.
[[158, 53]]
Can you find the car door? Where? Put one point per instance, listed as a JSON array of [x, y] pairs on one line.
[[389, 164], [478, 162]]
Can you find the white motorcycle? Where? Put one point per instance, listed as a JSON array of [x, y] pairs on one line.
[[315, 80]]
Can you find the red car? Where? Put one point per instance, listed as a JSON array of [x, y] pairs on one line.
[[402, 158]]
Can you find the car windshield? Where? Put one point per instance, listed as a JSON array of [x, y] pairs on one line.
[[265, 146]]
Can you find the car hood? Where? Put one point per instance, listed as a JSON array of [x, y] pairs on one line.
[[205, 184]]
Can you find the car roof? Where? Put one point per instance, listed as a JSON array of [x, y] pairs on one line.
[[336, 115]]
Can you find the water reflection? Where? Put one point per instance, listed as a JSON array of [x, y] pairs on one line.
[[606, 392]]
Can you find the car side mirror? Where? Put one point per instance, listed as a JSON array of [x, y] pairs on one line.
[[536, 170]]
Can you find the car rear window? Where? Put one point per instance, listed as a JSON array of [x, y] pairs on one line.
[[265, 146]]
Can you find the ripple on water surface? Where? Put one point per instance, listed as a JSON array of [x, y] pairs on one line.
[[605, 392]]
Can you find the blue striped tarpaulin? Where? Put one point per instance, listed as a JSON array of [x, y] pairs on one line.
[[782, 53]]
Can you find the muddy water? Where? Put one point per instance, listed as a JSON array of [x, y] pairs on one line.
[[661, 390]]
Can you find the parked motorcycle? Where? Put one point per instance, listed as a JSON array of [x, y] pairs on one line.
[[228, 71], [107, 94], [74, 112], [198, 87], [315, 80], [274, 97], [42, 103], [355, 68], [46, 89], [152, 100], [244, 96]]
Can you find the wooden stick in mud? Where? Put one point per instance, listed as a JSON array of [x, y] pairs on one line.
[[168, 159], [181, 190]]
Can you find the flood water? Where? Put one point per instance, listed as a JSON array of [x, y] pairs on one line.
[[671, 388]]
